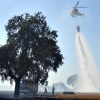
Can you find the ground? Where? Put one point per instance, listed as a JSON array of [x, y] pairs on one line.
[[8, 95]]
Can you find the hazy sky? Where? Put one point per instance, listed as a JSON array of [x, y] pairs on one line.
[[61, 21]]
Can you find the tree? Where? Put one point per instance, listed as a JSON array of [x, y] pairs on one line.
[[31, 50], [72, 80]]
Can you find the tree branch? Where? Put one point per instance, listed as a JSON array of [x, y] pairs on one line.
[[11, 75]]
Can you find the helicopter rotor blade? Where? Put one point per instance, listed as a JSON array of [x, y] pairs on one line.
[[81, 7], [77, 3]]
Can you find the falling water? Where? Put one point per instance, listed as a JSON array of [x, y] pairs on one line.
[[88, 78]]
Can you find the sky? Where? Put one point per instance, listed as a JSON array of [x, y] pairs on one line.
[[58, 18]]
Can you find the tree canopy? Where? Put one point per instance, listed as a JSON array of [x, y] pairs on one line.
[[72, 80], [31, 50]]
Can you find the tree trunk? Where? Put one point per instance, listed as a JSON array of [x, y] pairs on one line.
[[17, 88]]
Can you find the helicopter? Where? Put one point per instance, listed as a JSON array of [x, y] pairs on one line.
[[75, 11]]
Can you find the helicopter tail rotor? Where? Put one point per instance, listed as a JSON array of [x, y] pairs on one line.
[[83, 14]]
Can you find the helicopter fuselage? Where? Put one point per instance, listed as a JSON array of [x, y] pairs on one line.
[[75, 13]]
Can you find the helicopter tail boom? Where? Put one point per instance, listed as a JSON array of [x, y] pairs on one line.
[[81, 14]]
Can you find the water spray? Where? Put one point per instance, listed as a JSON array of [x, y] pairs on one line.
[[87, 67]]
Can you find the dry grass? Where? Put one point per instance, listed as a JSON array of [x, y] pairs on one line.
[[40, 96], [91, 96]]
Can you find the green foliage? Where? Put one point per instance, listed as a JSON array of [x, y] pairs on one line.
[[31, 50]]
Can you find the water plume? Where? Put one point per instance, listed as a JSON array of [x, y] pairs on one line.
[[88, 78]]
